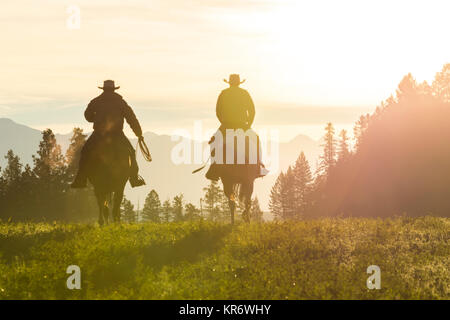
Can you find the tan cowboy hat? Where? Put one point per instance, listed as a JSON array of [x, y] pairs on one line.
[[234, 79], [109, 84]]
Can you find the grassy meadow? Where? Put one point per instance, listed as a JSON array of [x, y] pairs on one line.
[[314, 259]]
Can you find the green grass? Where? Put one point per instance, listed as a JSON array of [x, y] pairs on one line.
[[317, 259]]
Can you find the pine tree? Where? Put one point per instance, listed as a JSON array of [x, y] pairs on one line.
[[51, 183], [127, 211], [275, 203], [359, 129], [49, 160], [2, 192], [213, 200], [328, 159], [11, 174], [177, 208], [166, 211], [73, 153], [302, 186], [192, 212], [283, 196], [28, 192], [288, 196], [407, 89], [441, 84], [152, 207], [256, 213], [11, 177], [343, 152]]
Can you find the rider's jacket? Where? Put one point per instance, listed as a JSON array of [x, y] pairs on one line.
[[107, 112], [235, 108]]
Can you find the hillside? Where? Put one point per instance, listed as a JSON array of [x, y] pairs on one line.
[[317, 259], [167, 178]]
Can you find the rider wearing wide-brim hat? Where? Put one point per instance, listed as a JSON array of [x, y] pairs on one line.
[[107, 112], [235, 110]]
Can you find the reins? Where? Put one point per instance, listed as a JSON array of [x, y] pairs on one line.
[[202, 167]]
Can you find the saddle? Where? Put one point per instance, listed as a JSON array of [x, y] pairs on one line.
[[235, 154]]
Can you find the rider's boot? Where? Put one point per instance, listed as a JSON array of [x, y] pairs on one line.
[[135, 179], [262, 171]]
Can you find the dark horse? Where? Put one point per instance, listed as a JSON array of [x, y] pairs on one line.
[[109, 172], [238, 181], [238, 178]]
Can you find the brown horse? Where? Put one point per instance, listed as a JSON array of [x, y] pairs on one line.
[[108, 172], [238, 181], [237, 178]]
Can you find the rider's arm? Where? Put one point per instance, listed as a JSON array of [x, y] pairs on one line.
[[89, 114], [131, 119], [250, 110]]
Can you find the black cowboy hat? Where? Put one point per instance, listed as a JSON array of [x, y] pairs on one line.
[[109, 84], [234, 79]]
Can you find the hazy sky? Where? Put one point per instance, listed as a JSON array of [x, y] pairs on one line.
[[306, 62]]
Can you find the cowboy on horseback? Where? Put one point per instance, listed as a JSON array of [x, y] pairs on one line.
[[107, 112], [236, 111], [235, 147]]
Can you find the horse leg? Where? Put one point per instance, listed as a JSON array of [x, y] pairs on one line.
[[228, 190], [232, 206], [101, 200], [118, 197], [246, 196], [106, 207]]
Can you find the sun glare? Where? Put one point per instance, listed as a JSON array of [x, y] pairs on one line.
[[343, 52]]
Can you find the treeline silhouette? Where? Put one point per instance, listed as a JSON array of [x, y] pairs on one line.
[[213, 206], [42, 192], [399, 164]]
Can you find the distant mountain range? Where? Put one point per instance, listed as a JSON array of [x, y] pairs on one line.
[[167, 178]]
